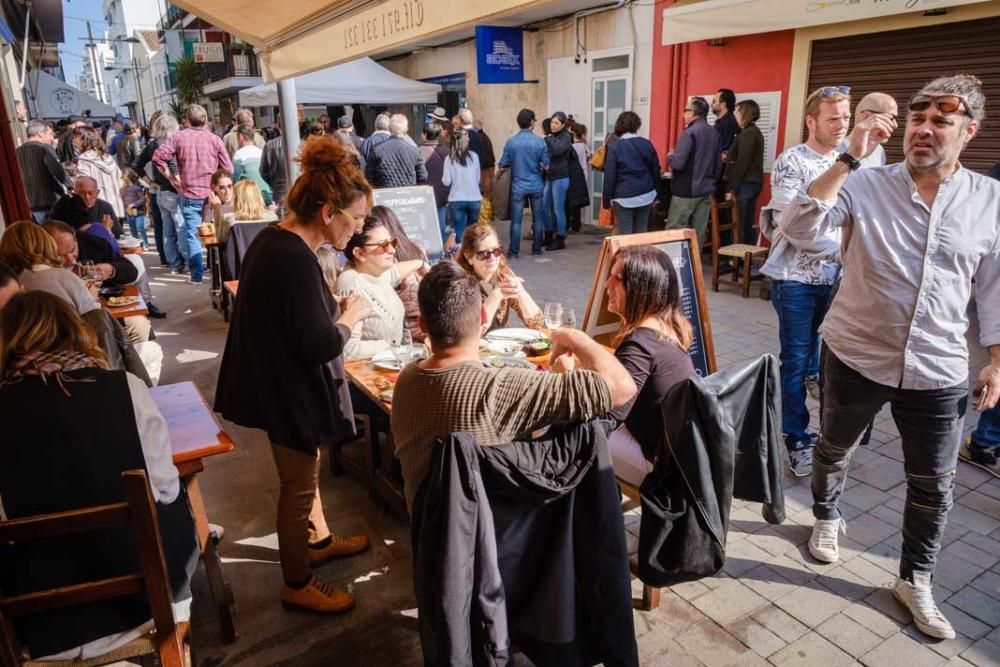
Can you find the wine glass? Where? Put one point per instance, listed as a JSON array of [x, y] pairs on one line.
[[403, 349], [553, 315], [569, 319]]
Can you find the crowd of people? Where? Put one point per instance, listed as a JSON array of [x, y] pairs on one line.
[[872, 269]]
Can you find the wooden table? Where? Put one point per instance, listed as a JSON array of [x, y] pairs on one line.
[[132, 251], [213, 257], [195, 435], [131, 310]]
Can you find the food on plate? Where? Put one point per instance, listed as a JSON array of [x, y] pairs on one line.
[[122, 300], [497, 361], [538, 347]]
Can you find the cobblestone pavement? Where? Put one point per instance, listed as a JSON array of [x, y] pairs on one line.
[[772, 604]]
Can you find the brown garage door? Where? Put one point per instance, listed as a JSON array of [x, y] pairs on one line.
[[901, 61]]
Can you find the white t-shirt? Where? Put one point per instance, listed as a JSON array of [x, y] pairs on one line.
[[818, 264]]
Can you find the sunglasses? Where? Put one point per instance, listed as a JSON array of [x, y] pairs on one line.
[[830, 91], [483, 255], [382, 247], [688, 110], [944, 103]]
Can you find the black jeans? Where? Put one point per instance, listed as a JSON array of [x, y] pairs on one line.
[[930, 426]]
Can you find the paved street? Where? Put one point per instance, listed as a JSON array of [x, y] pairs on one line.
[[772, 604]]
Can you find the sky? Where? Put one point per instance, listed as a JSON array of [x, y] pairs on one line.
[[75, 15]]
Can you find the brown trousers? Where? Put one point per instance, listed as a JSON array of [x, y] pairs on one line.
[[300, 510]]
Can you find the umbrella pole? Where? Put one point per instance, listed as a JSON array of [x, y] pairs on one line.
[[288, 107]]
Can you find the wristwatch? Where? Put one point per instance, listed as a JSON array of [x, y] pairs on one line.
[[852, 162]]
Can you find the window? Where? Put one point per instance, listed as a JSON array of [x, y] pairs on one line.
[[609, 63]]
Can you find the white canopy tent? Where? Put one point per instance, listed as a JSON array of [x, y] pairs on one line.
[[361, 81], [53, 98]]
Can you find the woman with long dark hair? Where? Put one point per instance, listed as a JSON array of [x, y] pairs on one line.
[[462, 174], [406, 251], [652, 342], [283, 371], [560, 145]]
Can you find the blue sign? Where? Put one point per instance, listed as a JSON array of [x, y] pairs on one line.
[[499, 54]]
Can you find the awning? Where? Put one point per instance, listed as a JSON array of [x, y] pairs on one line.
[[361, 81], [303, 36], [54, 98], [727, 18]]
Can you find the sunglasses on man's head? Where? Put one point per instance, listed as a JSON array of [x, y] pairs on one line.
[[382, 247], [830, 91], [483, 255], [944, 103]]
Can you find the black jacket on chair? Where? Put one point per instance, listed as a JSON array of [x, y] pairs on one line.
[[240, 237], [724, 440], [523, 544]]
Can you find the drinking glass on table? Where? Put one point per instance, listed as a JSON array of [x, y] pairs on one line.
[[568, 319], [403, 349], [553, 315]]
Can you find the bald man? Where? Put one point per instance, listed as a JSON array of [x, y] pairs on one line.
[[870, 105]]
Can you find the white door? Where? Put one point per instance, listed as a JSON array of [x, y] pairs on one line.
[[610, 96]]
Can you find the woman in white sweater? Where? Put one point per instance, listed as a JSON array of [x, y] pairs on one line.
[[461, 173], [373, 272]]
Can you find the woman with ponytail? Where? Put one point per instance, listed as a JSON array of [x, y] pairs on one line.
[[282, 370]]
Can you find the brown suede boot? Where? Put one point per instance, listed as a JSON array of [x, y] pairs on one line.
[[339, 547], [318, 595]]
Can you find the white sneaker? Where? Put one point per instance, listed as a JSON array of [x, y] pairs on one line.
[[823, 541], [917, 597]]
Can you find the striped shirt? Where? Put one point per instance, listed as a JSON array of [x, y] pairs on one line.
[[199, 154], [494, 405]]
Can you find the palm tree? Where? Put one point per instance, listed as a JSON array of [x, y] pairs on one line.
[[188, 74]]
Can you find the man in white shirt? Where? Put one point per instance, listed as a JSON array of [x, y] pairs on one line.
[[921, 231], [802, 274]]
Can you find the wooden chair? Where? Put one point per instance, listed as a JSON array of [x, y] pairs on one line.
[[737, 251], [170, 641]]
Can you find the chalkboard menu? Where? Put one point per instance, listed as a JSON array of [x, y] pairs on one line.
[[680, 246], [416, 209]]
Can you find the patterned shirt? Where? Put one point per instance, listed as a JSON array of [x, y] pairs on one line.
[[814, 263], [900, 316], [494, 405], [199, 154]]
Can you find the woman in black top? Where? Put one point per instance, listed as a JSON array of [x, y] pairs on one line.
[[560, 145], [282, 369], [644, 292], [745, 168]]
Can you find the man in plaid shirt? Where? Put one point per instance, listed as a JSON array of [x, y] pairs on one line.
[[199, 153]]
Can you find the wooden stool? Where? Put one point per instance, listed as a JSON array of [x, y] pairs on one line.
[[737, 251]]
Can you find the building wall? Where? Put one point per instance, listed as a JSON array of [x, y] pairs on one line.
[[804, 38], [498, 104]]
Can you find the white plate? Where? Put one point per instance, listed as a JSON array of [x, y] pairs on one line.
[[506, 348], [514, 334], [386, 361], [129, 243], [497, 361]]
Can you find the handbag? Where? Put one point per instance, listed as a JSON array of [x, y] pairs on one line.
[[597, 162]]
